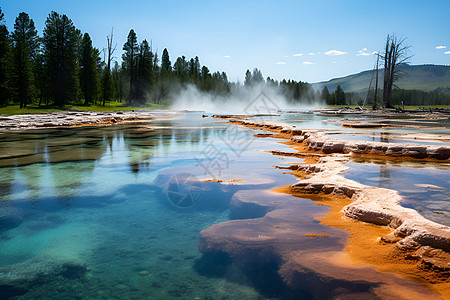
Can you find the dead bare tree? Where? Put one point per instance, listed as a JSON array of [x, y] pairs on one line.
[[395, 54], [110, 50]]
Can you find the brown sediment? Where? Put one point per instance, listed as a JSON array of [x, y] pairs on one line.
[[391, 237], [313, 235], [366, 246], [212, 180]]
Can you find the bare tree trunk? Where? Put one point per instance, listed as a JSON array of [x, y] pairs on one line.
[[395, 54], [374, 106]]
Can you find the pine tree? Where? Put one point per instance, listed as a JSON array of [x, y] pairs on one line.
[[60, 41], [165, 61], [131, 49], [107, 86], [248, 78], [5, 47], [325, 95], [145, 72], [25, 45], [88, 72], [257, 76], [339, 96], [181, 68]]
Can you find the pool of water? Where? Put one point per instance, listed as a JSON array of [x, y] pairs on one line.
[[115, 212], [424, 188], [100, 206], [384, 137]]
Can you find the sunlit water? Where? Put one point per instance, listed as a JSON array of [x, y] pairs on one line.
[[101, 205]]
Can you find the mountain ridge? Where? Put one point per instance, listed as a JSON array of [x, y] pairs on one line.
[[426, 77]]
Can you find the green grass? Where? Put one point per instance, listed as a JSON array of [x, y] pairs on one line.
[[111, 106], [406, 106]]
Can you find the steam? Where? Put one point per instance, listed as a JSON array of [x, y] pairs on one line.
[[261, 98]]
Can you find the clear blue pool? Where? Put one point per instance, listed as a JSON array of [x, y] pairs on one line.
[[115, 212]]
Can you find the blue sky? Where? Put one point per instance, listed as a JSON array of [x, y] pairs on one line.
[[302, 40]]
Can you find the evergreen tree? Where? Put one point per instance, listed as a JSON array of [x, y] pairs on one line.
[[165, 61], [131, 48], [60, 43], [88, 72], [196, 68], [181, 68], [339, 96], [248, 78], [107, 86], [145, 72], [325, 95], [4, 60], [257, 76], [40, 79], [118, 82], [25, 45]]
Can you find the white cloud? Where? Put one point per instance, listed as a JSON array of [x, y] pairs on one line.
[[335, 52], [298, 54], [441, 47], [280, 63], [363, 54], [311, 53], [364, 49], [447, 52], [308, 63], [286, 56], [374, 52], [334, 62], [227, 56], [360, 51]]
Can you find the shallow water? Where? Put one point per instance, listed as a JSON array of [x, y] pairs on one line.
[[115, 212], [385, 138], [424, 189], [100, 203]]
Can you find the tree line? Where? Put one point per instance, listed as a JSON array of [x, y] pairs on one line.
[[62, 67]]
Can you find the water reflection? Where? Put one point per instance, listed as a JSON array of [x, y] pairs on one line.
[[423, 188]]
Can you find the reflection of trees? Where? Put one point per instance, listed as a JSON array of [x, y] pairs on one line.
[[385, 176], [384, 137], [60, 151]]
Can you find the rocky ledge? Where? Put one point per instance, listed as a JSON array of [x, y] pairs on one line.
[[370, 204], [69, 119], [319, 141], [276, 233]]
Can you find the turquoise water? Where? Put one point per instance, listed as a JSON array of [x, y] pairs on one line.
[[115, 212], [86, 213]]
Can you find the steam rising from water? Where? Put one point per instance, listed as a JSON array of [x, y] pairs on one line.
[[257, 99]]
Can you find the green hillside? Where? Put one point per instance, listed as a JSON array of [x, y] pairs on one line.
[[420, 77]]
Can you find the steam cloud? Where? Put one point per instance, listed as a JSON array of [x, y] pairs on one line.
[[241, 100]]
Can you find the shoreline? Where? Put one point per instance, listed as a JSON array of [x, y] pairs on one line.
[[79, 118], [406, 243]]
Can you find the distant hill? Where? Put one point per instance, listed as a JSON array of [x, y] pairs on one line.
[[420, 77]]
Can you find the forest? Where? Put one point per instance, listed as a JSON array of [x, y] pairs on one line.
[[62, 67]]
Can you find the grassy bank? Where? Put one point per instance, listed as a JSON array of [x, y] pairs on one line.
[[112, 106], [406, 106]]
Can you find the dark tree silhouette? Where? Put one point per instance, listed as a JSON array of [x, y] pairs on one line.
[[131, 48], [395, 54], [88, 72], [4, 60], [61, 41], [25, 45]]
